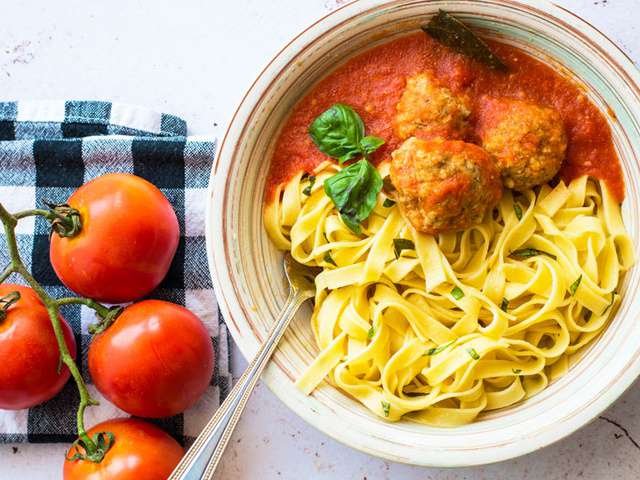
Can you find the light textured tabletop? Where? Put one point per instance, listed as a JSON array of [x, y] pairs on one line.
[[195, 59]]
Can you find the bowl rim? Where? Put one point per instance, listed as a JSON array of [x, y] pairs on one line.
[[218, 260]]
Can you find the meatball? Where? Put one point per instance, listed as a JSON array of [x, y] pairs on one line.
[[444, 185], [429, 110], [528, 141]]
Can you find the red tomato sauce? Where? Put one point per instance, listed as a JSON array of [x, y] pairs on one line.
[[372, 84]]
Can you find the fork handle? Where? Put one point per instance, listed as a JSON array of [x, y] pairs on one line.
[[202, 459]]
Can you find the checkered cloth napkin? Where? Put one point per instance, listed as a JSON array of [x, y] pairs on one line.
[[47, 150]]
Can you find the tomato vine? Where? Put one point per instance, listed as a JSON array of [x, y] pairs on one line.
[[65, 221]]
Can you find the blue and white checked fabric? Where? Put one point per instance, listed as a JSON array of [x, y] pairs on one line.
[[47, 150]]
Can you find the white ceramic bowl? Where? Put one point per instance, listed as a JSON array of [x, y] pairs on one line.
[[247, 271]]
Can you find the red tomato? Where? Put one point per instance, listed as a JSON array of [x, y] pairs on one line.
[[129, 237], [141, 451], [29, 353], [156, 360]]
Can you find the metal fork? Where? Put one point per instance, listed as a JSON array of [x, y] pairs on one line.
[[202, 459]]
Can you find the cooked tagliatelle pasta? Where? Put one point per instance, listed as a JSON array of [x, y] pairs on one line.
[[440, 329]]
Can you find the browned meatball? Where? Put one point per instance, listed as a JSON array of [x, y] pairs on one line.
[[528, 141], [444, 185], [429, 110]]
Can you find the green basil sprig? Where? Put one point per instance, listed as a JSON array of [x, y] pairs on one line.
[[339, 133], [354, 191]]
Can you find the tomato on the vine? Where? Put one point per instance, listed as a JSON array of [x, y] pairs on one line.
[[141, 451], [128, 238], [155, 360], [29, 356]]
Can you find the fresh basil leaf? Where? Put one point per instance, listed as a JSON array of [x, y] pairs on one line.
[[400, 244], [504, 306], [457, 293], [307, 189], [518, 210], [437, 350], [354, 191], [388, 203], [473, 354], [573, 288], [370, 144], [338, 132], [329, 259], [386, 407], [524, 253]]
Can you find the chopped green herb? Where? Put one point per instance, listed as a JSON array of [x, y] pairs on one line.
[[613, 297], [450, 31], [472, 352], [354, 191], [327, 258], [504, 306], [524, 253], [371, 333], [307, 189], [457, 293], [518, 210], [437, 350], [400, 244], [339, 133], [386, 407], [574, 286], [388, 203], [387, 185], [517, 371]]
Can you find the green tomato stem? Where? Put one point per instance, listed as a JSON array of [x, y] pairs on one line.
[[107, 315], [6, 272], [9, 222], [100, 309], [65, 220], [6, 302], [48, 214]]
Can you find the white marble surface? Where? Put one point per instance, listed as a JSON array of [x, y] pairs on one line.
[[194, 59]]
